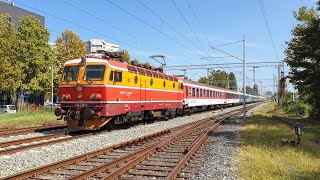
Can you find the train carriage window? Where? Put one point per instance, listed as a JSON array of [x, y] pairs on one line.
[[211, 94], [193, 92], [189, 93], [197, 92], [204, 93], [70, 73], [117, 76], [208, 93], [111, 76], [94, 73], [165, 76], [200, 92], [175, 79]]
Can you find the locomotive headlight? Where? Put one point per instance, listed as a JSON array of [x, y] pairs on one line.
[[95, 96], [65, 96]]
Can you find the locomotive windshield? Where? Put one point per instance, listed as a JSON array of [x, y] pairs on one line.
[[94, 73], [70, 73]]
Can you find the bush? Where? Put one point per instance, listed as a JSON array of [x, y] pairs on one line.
[[297, 108]]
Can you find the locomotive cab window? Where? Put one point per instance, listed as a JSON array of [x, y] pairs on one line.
[[94, 73], [70, 73], [117, 76]]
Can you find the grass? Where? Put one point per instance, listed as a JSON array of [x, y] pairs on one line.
[[262, 156], [26, 118]]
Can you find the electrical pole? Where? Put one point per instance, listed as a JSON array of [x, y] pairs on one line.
[[51, 87], [279, 77], [244, 79], [254, 74], [274, 86], [208, 76]]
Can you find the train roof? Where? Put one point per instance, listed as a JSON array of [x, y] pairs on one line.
[[207, 86]]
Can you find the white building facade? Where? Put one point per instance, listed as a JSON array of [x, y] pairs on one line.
[[93, 45]]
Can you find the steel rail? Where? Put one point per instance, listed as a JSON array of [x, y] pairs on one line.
[[14, 132], [69, 161]]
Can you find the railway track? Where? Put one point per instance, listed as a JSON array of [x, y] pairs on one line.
[[173, 153], [21, 131], [11, 147]]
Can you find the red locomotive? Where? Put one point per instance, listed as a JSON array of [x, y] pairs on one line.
[[98, 91]]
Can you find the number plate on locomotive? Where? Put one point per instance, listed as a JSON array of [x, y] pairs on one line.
[[81, 104]]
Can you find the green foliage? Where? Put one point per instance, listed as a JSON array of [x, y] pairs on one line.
[[264, 157], [10, 67], [303, 57], [296, 108], [221, 79], [126, 56], [68, 46], [203, 80], [233, 82], [34, 53]]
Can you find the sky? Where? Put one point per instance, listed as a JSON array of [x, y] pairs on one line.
[[181, 30]]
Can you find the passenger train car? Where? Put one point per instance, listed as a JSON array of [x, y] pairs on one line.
[[96, 91]]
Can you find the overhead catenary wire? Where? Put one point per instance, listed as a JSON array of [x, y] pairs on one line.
[[173, 28], [78, 25], [108, 22], [202, 29], [154, 28], [262, 8], [184, 19]]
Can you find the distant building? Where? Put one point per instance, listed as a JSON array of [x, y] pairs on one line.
[[16, 13], [98, 44]]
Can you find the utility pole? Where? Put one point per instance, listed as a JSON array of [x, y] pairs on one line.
[[274, 85], [208, 76], [244, 79], [184, 73], [51, 87], [254, 74], [279, 77]]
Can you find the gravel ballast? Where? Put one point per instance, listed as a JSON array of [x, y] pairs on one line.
[[33, 158], [223, 147], [32, 135]]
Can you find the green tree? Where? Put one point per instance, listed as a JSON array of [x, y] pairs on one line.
[[125, 55], [218, 78], [68, 46], [232, 81], [10, 68], [303, 57], [249, 90], [35, 54], [203, 80]]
